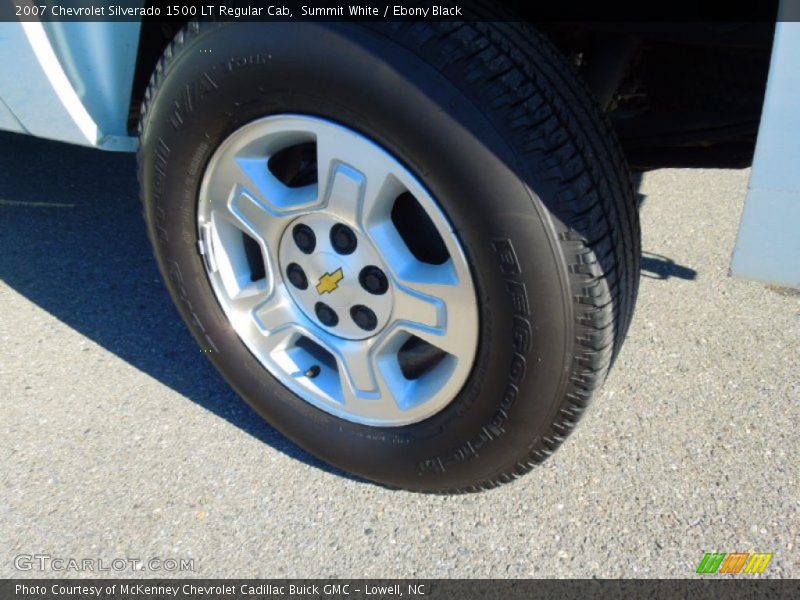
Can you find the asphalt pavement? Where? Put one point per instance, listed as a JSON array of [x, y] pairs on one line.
[[119, 440]]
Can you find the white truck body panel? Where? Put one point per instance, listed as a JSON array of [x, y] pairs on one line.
[[69, 81], [768, 246]]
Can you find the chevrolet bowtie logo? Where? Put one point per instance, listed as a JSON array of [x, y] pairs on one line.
[[330, 281]]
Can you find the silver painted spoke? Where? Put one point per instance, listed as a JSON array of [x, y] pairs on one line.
[[430, 308], [356, 185], [430, 319], [343, 191], [365, 388], [230, 179], [250, 215], [248, 298], [273, 324], [361, 377], [279, 339], [270, 320], [275, 313], [419, 308], [238, 168], [269, 190]]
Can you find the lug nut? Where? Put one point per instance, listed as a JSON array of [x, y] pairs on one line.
[[326, 315], [343, 239], [297, 276], [304, 238], [373, 280], [364, 317]]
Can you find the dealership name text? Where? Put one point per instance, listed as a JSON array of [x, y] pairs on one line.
[[190, 589]]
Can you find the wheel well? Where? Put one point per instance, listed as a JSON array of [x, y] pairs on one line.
[[677, 94]]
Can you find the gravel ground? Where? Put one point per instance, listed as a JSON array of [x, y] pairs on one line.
[[118, 439]]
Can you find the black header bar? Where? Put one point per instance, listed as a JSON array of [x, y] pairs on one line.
[[603, 11]]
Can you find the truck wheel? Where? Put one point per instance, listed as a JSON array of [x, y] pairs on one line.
[[412, 248]]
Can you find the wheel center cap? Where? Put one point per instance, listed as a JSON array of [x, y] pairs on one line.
[[335, 276]]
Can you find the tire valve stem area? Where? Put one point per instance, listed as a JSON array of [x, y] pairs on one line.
[[312, 371]]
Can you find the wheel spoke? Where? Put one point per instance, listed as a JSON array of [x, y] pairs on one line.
[[359, 194], [269, 190], [244, 174], [372, 384], [250, 214], [274, 314], [274, 327], [419, 308], [345, 193], [432, 311], [358, 370], [248, 298], [269, 319]]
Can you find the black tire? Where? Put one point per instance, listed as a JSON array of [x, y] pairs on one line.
[[502, 132]]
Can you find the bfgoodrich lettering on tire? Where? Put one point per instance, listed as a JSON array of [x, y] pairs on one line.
[[412, 248]]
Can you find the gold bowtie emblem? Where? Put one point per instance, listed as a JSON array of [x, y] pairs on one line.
[[330, 281]]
